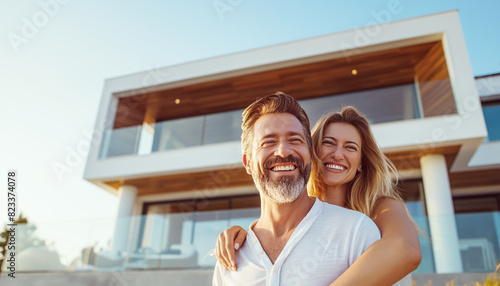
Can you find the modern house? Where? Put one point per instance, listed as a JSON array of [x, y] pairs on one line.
[[167, 141]]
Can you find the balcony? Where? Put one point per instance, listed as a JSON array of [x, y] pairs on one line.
[[390, 104], [413, 85]]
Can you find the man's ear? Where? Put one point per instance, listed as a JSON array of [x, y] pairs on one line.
[[246, 162]]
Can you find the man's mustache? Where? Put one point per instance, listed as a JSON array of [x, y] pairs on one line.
[[280, 160]]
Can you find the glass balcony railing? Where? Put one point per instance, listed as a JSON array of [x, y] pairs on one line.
[[172, 134], [185, 240], [396, 103]]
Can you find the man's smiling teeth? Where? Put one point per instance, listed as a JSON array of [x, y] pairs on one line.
[[284, 168], [336, 167]]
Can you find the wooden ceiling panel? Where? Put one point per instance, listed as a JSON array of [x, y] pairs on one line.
[[201, 181], [375, 70], [407, 160]]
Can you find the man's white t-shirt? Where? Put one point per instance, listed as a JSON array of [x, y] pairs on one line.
[[324, 244]]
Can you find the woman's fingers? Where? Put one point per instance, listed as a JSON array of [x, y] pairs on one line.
[[240, 238], [238, 241], [219, 252], [228, 242], [229, 250]]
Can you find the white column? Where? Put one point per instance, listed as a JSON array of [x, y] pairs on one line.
[[444, 236], [126, 200], [154, 231]]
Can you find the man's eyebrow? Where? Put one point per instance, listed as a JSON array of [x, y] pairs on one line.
[[294, 133], [274, 135], [333, 138], [270, 135]]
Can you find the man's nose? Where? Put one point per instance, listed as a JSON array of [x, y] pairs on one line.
[[283, 149]]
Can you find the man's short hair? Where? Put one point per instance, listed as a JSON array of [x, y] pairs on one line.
[[278, 102]]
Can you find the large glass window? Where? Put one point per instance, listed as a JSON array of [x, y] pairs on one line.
[[478, 227], [476, 204], [412, 193], [187, 230], [478, 237], [395, 103], [492, 117]]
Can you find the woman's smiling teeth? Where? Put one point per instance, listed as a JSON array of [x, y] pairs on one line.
[[283, 168], [335, 167]]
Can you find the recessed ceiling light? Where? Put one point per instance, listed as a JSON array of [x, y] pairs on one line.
[[177, 101], [354, 72]]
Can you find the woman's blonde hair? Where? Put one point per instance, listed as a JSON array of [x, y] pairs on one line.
[[378, 177]]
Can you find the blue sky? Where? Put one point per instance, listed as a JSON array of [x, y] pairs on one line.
[[55, 56]]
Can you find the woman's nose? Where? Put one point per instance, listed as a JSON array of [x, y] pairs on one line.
[[338, 154]]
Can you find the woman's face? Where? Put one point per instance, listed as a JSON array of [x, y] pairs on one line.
[[340, 153]]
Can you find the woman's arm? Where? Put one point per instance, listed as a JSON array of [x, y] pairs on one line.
[[392, 257], [228, 242]]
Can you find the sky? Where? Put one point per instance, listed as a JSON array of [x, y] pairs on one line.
[[55, 56]]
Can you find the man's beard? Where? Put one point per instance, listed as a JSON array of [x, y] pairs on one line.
[[286, 189]]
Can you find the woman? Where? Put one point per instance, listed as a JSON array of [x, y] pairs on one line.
[[350, 170]]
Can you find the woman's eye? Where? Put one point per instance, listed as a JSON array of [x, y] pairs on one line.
[[326, 142], [352, 148]]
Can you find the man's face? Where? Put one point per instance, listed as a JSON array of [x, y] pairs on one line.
[[280, 164]]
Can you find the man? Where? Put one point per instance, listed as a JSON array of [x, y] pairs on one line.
[[297, 240]]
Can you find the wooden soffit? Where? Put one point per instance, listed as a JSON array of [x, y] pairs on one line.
[[189, 182], [373, 70], [410, 160]]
